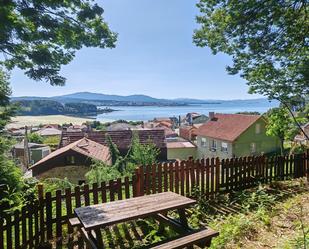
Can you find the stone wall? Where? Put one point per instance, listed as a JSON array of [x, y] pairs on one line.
[[74, 173]]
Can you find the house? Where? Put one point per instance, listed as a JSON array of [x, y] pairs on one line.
[[180, 149], [56, 126], [301, 138], [71, 161], [49, 132], [122, 139], [120, 126], [36, 152], [235, 135], [188, 131]]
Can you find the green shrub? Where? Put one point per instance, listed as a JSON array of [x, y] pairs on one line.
[[233, 229]]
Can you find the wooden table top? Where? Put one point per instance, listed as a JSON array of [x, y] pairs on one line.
[[110, 213]]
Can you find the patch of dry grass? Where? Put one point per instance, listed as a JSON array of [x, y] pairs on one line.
[[21, 121]]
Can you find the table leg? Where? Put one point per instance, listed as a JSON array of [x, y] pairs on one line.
[[99, 239], [161, 225], [184, 221], [183, 218]]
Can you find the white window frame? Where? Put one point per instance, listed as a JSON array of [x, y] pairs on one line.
[[253, 148], [213, 145], [224, 147], [204, 142], [257, 128]]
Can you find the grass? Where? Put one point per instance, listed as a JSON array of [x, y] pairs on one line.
[[21, 121], [268, 216], [272, 216]]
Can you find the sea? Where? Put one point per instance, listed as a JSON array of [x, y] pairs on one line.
[[144, 113]]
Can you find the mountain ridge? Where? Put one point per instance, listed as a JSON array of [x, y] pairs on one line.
[[137, 98]]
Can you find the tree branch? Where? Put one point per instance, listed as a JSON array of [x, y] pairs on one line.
[[294, 118]]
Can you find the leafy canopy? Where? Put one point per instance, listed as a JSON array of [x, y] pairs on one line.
[[40, 36], [267, 40], [143, 154]]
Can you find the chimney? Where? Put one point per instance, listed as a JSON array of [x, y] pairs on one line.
[[211, 115]]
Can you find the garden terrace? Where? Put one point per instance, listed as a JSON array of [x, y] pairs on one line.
[[47, 218]]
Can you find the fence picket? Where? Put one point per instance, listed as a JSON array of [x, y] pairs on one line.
[[27, 228], [16, 229], [171, 176], [58, 218], [182, 178], [165, 176], [9, 242], [127, 187], [153, 178], [95, 193], [177, 172], [159, 177], [202, 171]]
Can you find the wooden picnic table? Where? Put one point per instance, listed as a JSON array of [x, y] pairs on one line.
[[94, 217]]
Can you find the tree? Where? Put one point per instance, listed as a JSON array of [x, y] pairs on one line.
[[143, 154], [281, 125], [35, 138], [267, 40], [115, 154], [6, 110], [40, 36], [11, 183], [101, 172]]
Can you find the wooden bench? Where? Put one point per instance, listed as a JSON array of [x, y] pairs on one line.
[[74, 222], [195, 238], [93, 218]]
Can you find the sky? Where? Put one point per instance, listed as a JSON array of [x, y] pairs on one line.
[[154, 55]]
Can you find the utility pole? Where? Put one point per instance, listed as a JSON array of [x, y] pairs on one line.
[[26, 149]]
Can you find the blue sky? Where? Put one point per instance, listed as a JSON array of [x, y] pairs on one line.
[[154, 56]]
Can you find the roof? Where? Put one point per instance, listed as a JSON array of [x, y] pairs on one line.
[[122, 138], [49, 132], [120, 126], [82, 146], [164, 123], [179, 144], [227, 127], [21, 145]]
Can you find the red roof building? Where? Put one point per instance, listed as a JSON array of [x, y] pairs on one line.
[[122, 138], [227, 127], [235, 135], [71, 160]]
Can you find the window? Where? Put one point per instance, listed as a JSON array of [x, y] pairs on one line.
[[70, 160], [253, 147], [224, 147], [257, 128], [204, 142], [213, 145]]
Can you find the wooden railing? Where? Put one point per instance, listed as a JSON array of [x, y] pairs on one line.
[[47, 218]]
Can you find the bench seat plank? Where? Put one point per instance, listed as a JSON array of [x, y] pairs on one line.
[[204, 235]]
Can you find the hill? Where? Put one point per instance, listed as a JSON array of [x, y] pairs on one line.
[[107, 97], [134, 100]]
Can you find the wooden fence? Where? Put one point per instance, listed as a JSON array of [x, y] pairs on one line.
[[47, 218]]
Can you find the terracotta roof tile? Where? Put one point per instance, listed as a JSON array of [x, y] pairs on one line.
[[121, 138], [227, 127], [83, 146]]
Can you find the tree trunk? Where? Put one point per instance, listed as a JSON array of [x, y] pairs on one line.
[[294, 118], [282, 146]]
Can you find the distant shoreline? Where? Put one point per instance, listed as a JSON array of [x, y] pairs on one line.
[[21, 121]]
